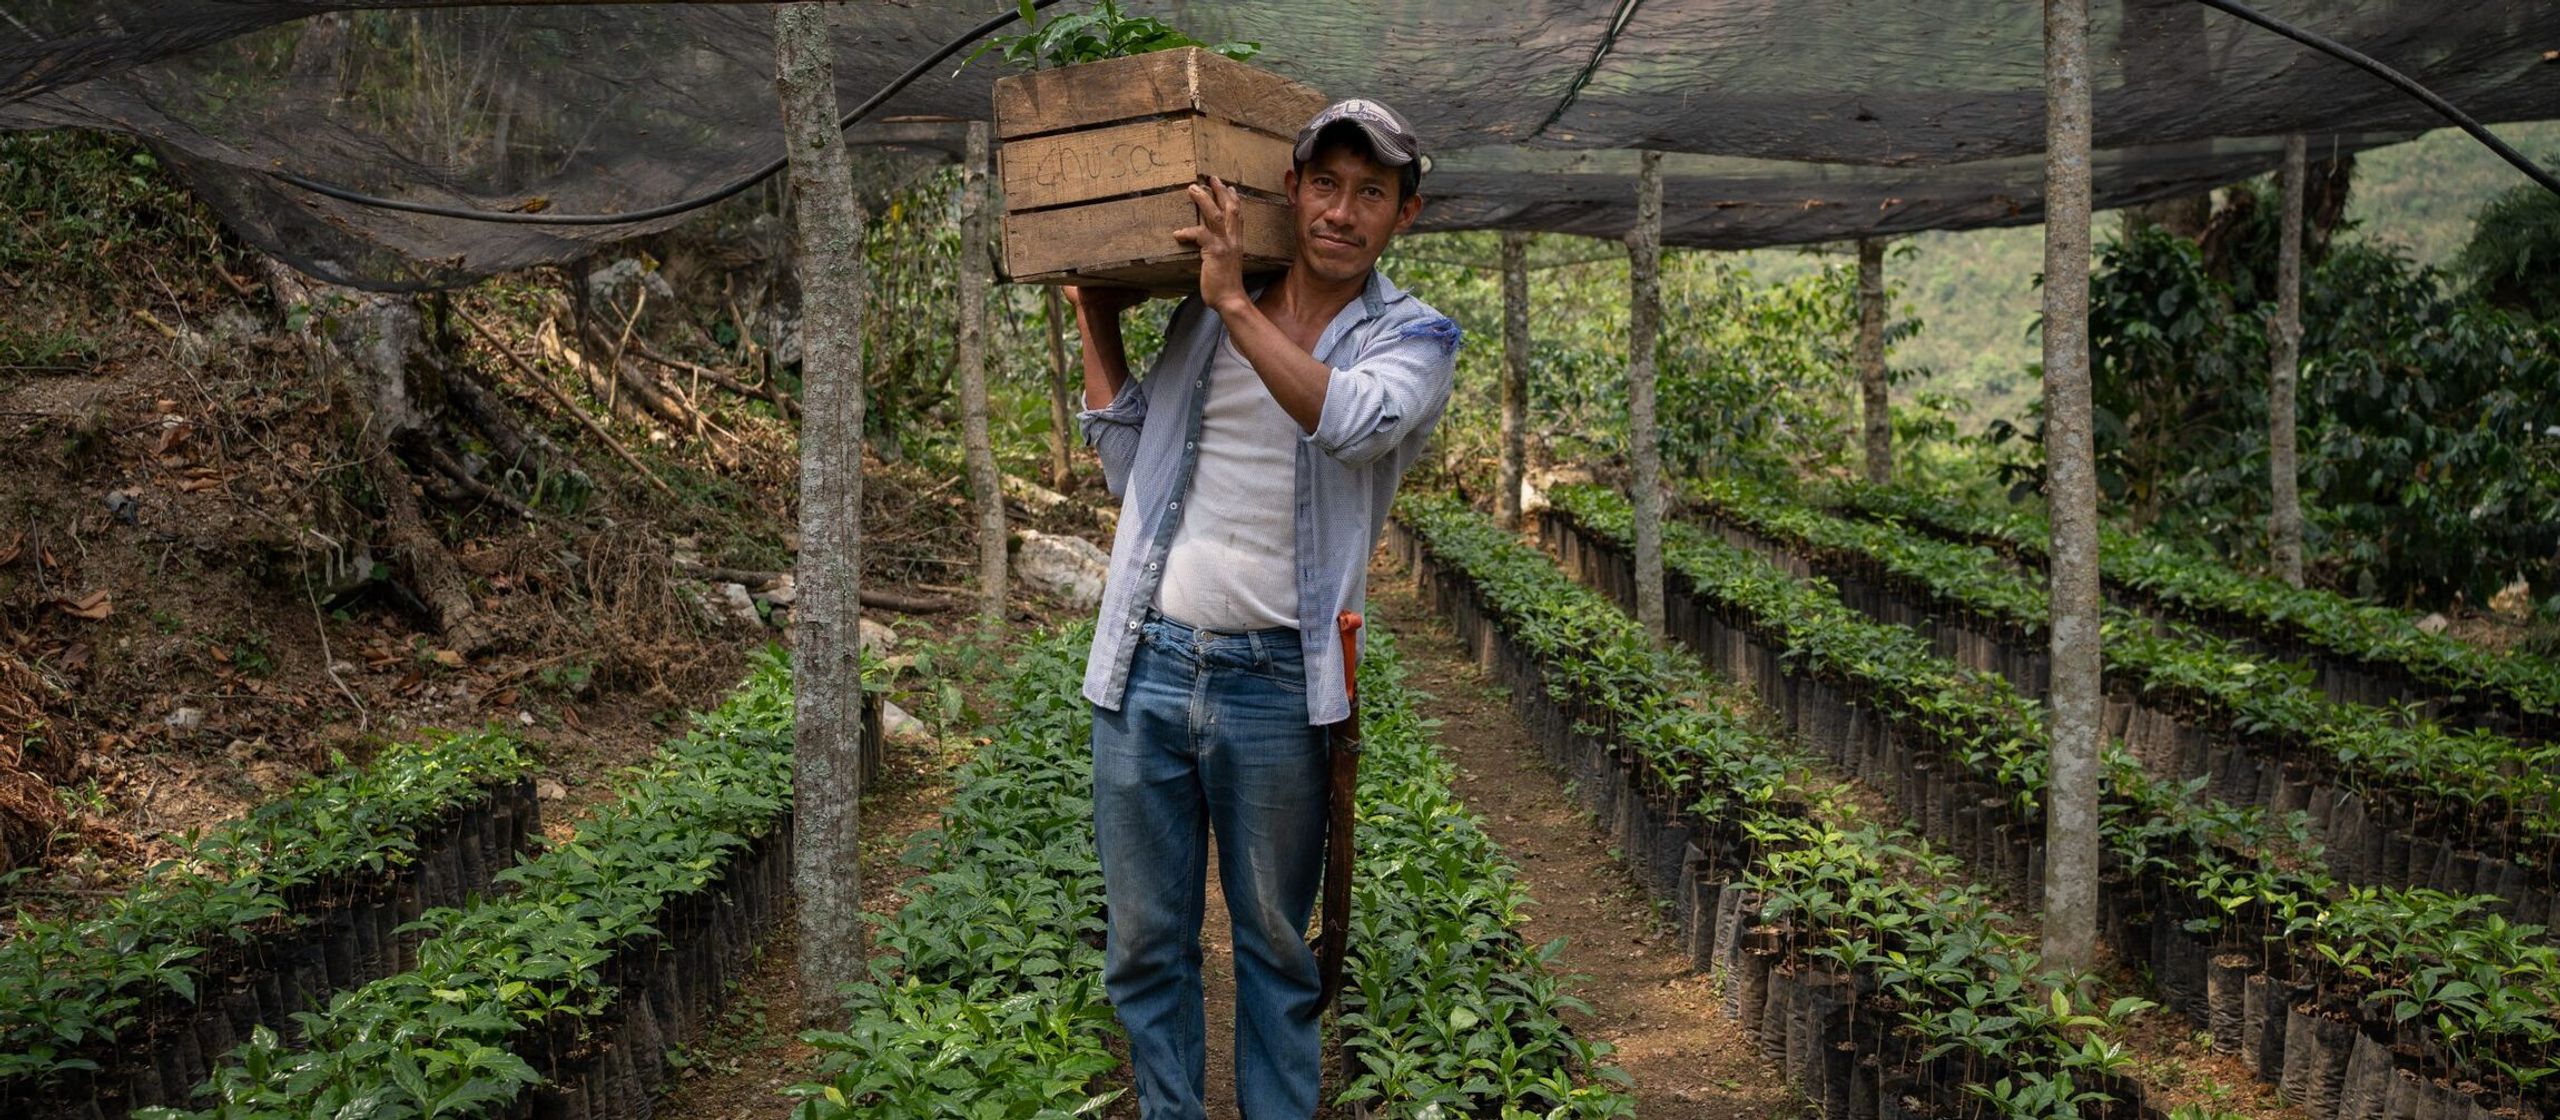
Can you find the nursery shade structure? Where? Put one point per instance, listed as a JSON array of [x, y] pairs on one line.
[[1783, 121]]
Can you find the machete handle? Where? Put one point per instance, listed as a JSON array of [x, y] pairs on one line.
[[1349, 622]]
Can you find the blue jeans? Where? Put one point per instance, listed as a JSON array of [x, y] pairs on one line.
[[1212, 736]]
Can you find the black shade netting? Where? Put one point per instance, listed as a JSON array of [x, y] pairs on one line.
[[1791, 121]]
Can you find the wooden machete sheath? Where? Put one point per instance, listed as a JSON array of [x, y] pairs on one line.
[[1333, 931]]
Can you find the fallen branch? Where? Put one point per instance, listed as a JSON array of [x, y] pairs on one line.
[[906, 604], [651, 396], [628, 325], [881, 598], [445, 465], [594, 427], [790, 407]]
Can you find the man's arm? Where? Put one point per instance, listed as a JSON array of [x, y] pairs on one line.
[[1396, 389], [1106, 353], [1295, 378], [1115, 409]]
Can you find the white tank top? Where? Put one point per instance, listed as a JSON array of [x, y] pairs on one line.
[[1233, 565]]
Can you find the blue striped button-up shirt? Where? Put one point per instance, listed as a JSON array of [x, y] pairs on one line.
[[1393, 358]]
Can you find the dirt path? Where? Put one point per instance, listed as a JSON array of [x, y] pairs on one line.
[[1688, 1061]]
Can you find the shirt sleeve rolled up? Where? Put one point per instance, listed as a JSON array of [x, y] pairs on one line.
[[1398, 386], [1112, 432]]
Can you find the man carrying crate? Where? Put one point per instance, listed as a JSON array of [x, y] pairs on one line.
[[1255, 465]]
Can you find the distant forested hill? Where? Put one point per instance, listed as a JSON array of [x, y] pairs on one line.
[[1975, 292]]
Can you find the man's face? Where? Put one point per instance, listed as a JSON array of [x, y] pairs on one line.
[[1347, 209]]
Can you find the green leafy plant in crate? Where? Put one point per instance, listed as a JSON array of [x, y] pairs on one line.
[[1092, 36]]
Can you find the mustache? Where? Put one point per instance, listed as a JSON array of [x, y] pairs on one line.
[[1338, 233]]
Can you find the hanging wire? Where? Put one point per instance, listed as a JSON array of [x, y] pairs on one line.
[[730, 190], [2403, 82], [1599, 54]]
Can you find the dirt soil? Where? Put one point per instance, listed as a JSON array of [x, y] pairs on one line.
[[1689, 1062], [169, 652]]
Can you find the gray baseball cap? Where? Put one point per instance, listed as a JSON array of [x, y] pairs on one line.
[[1388, 135]]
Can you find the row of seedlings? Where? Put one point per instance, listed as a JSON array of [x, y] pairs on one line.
[[2396, 803], [2359, 1003], [2361, 653], [1856, 957], [1445, 1006], [259, 918], [987, 1000], [559, 994]]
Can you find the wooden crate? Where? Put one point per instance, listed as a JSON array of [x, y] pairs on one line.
[[1095, 160]]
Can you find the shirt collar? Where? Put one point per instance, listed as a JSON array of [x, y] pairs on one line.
[[1381, 289]]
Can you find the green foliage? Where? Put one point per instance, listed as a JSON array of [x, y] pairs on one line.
[[911, 332], [69, 987], [90, 211], [2431, 450], [525, 967], [1753, 373], [2513, 257], [2236, 865], [987, 1000], [1850, 894], [1443, 1003], [43, 349], [1756, 378], [2166, 353], [2429, 423], [2492, 790], [2205, 588], [1091, 36]]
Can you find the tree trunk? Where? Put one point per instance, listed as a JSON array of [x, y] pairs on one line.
[[1871, 383], [1515, 377], [370, 343], [2071, 795], [1644, 259], [2284, 343], [1062, 410], [827, 715], [986, 485]]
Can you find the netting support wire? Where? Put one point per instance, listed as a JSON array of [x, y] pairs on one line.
[[2403, 82], [1599, 54], [1011, 13]]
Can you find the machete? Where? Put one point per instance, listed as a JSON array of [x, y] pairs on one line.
[[1333, 932]]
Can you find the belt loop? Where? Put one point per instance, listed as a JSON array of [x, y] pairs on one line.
[[1254, 637]]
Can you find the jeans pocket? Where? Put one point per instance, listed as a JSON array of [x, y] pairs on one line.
[[1288, 670]]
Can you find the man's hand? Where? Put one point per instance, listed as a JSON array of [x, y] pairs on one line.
[[1220, 239]]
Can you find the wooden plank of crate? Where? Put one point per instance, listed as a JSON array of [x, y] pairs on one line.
[[1151, 155], [1188, 80], [1095, 237]]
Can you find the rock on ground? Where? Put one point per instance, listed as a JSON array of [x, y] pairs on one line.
[[1535, 483], [1065, 567], [877, 638], [895, 723], [742, 606], [608, 283]]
